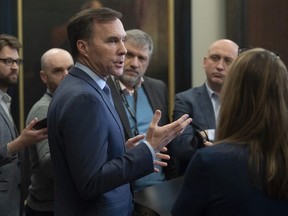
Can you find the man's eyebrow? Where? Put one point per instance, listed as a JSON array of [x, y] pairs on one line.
[[58, 68], [112, 37]]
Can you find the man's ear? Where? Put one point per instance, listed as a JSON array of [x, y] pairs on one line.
[[82, 47], [43, 76], [204, 62]]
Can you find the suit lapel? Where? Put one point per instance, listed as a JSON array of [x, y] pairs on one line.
[[149, 89], [206, 106], [119, 106], [11, 127], [82, 75]]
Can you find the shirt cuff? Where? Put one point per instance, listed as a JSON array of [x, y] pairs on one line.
[[211, 134], [151, 149], [11, 157]]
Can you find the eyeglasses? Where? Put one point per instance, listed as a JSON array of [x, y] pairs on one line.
[[10, 61]]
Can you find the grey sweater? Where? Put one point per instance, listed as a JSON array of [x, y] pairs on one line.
[[41, 189]]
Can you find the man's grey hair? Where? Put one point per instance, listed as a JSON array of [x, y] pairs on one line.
[[140, 39]]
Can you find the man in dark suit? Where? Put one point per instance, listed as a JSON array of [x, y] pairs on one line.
[[136, 97], [202, 103], [92, 168], [11, 186]]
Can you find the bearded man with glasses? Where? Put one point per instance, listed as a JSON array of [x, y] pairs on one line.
[[11, 158]]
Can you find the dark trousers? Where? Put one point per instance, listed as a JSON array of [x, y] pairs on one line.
[[31, 212]]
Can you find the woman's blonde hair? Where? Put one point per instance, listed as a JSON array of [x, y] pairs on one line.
[[254, 111]]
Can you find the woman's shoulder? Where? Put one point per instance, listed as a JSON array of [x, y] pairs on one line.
[[224, 152], [224, 147]]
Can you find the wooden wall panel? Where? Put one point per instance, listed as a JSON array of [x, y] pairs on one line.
[[267, 25], [259, 24]]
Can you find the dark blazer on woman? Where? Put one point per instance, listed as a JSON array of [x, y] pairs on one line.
[[217, 182]]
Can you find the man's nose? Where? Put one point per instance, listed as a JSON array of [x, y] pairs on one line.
[[134, 62], [122, 49], [15, 65], [221, 64]]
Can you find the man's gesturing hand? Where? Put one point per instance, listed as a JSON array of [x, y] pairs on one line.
[[160, 136]]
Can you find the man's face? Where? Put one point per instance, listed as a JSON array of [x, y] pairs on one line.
[[136, 63], [8, 73], [217, 62], [57, 67], [106, 52]]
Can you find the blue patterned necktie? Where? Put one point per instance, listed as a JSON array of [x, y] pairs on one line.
[[107, 91]]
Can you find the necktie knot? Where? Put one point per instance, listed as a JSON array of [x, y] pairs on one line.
[[216, 98], [106, 89]]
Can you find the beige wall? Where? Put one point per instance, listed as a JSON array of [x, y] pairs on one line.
[[208, 25]]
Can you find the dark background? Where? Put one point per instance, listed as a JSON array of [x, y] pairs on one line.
[[44, 25]]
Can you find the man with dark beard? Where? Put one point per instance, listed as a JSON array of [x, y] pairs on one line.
[[11, 164]]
